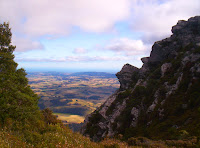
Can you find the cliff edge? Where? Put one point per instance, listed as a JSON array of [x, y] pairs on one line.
[[159, 100]]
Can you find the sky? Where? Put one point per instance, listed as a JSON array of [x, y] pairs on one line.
[[89, 35]]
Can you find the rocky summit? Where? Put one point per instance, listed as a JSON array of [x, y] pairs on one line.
[[161, 100]]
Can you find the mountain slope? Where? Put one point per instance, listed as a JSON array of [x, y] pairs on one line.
[[22, 124], [161, 100]]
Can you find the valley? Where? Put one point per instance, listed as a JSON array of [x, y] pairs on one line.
[[72, 96]]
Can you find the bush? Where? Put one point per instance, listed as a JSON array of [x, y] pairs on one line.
[[49, 118]]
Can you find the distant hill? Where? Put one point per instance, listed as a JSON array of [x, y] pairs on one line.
[[99, 74], [78, 74], [48, 73]]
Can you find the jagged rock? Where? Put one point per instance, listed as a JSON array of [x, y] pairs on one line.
[[116, 112], [135, 112], [156, 53], [165, 67], [144, 69], [173, 88], [185, 60], [179, 27], [190, 58], [102, 125], [145, 66], [119, 108], [185, 32], [155, 102], [107, 104], [145, 60], [140, 82], [145, 100], [125, 75], [187, 27]]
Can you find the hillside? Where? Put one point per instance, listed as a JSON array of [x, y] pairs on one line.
[[161, 100], [22, 124]]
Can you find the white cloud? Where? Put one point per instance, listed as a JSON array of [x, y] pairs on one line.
[[127, 46], [75, 59], [36, 17], [80, 51], [50, 18], [25, 44], [154, 18]]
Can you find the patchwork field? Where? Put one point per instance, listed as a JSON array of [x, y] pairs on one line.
[[72, 96]]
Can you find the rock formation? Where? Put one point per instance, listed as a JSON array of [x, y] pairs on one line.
[[125, 76], [161, 98]]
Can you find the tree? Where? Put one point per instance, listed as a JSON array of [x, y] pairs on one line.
[[17, 101]]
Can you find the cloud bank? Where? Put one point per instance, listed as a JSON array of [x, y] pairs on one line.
[[50, 17], [26, 44], [75, 59], [127, 46], [32, 20]]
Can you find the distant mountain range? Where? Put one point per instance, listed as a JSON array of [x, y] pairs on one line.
[[99, 74], [79, 74]]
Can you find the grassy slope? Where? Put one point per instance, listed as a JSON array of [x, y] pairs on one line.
[[56, 137], [64, 138]]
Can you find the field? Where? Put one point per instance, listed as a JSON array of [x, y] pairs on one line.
[[70, 118], [72, 96]]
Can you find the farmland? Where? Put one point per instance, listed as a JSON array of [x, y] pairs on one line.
[[72, 96]]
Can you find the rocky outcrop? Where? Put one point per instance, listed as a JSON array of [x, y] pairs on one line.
[[165, 67], [125, 76], [162, 95], [135, 113]]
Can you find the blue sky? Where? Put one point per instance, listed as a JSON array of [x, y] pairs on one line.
[[90, 35]]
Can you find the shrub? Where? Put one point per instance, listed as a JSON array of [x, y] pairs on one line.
[[49, 118]]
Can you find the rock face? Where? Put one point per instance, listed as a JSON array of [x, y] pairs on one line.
[[125, 76], [165, 67], [161, 98]]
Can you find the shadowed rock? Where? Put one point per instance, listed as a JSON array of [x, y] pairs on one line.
[[147, 98], [125, 75]]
